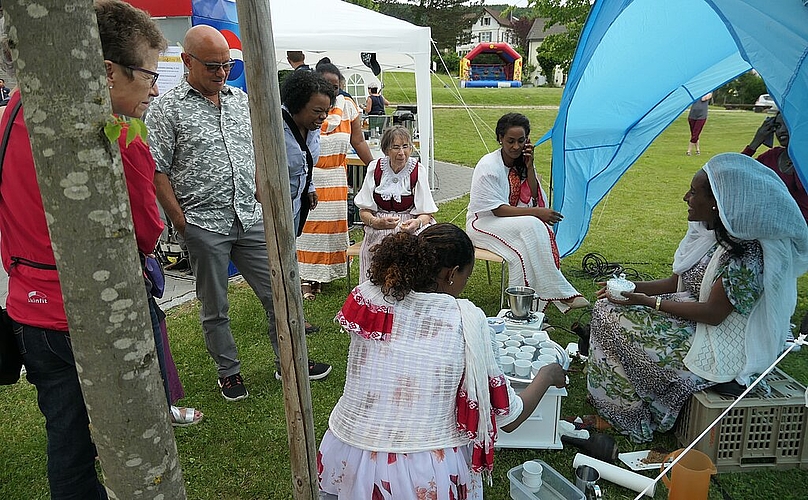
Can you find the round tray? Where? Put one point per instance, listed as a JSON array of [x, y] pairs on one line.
[[562, 357]]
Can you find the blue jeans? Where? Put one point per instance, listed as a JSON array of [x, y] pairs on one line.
[[50, 367]]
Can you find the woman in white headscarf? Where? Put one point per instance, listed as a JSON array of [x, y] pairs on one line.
[[720, 319]]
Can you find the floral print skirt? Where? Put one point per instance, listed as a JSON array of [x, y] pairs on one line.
[[352, 473], [636, 376]]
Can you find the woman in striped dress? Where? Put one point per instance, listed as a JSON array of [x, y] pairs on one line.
[[321, 248]]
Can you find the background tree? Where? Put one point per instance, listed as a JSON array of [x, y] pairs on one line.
[[521, 28], [547, 67], [63, 86], [368, 4], [448, 19], [571, 14], [742, 90]]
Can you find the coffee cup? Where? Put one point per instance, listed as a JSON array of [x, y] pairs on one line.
[[531, 475], [521, 367], [528, 349], [531, 341], [512, 350], [501, 337], [547, 359], [524, 355], [541, 335], [497, 324], [506, 362], [512, 342], [518, 338], [535, 367], [548, 351], [502, 352]]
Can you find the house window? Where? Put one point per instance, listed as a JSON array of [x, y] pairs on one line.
[[485, 36], [355, 85], [486, 21]]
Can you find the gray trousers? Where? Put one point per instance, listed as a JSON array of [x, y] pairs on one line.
[[210, 255]]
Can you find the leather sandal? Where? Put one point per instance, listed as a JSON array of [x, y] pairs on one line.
[[183, 417]]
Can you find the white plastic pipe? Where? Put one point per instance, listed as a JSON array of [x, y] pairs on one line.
[[617, 475]]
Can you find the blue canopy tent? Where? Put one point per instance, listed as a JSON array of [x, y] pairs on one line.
[[640, 63]]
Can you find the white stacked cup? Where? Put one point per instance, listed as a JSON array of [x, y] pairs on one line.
[[531, 475]]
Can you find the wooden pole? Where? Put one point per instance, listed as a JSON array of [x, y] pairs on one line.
[[272, 173]]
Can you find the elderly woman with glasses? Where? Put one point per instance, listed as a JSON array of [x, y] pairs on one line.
[[131, 42], [395, 195]]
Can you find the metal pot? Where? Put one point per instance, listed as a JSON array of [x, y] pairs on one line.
[[520, 298]]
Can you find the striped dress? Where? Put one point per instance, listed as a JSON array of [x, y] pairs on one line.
[[321, 248]]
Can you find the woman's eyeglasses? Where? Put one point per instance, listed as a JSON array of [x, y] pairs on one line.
[[403, 147], [154, 75], [215, 67]]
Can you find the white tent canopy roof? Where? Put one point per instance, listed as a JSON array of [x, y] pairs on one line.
[[342, 31]]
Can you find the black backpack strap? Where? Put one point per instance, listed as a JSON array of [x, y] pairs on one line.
[[305, 205], [17, 261], [7, 132]]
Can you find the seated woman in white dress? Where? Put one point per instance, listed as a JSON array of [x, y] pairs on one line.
[[508, 215], [424, 393], [720, 319], [395, 195]]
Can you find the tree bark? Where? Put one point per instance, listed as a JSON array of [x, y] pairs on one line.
[[273, 182], [80, 174]]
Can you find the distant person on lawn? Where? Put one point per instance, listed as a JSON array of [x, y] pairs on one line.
[[201, 138], [696, 119]]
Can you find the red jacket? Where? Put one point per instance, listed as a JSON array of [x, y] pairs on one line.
[[34, 295], [791, 179]]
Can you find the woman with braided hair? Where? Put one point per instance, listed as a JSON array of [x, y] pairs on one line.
[[424, 393]]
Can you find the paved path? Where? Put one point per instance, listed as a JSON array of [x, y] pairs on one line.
[[451, 182]]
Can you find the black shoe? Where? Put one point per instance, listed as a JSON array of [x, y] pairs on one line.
[[233, 387], [317, 371], [311, 328]]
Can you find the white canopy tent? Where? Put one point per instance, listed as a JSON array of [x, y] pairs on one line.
[[342, 31]]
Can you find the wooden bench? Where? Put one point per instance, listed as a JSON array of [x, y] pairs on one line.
[[479, 254], [488, 256], [353, 251]]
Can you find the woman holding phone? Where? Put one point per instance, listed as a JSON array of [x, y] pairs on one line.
[[508, 215]]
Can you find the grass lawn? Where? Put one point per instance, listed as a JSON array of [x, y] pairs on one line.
[[240, 450]]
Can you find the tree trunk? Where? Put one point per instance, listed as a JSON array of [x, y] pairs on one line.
[[80, 175], [273, 182]]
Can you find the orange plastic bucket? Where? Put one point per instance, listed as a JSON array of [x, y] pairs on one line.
[[690, 477]]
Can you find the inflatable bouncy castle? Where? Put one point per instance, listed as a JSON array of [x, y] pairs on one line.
[[507, 73]]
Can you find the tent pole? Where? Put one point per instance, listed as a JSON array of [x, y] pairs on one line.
[[273, 190]]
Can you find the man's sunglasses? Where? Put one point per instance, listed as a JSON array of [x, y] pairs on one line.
[[215, 67]]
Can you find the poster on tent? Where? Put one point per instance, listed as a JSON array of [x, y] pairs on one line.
[[171, 68], [221, 14]]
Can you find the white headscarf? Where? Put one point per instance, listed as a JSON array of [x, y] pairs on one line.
[[754, 204], [697, 241]]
